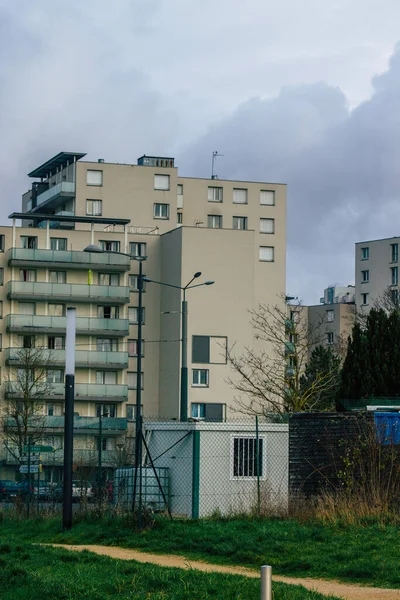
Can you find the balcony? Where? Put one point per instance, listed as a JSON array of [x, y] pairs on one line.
[[86, 392], [67, 292], [62, 190], [27, 324], [68, 259], [86, 359]]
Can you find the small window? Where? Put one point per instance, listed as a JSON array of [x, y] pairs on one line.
[[54, 410], [179, 199], [108, 278], [267, 253], [1, 309], [58, 243], [1, 276], [267, 225], [55, 376], [58, 277], [137, 249], [394, 295], [56, 342], [215, 194], [106, 345], [200, 378], [94, 177], [179, 218], [108, 312], [161, 211], [329, 337], [295, 316], [210, 411], [239, 222], [57, 310], [394, 250], [161, 182], [208, 349], [133, 348], [330, 315], [106, 377], [365, 276], [215, 221], [132, 380], [134, 283], [239, 196], [94, 208], [106, 410], [26, 341], [26, 308], [267, 198], [365, 253], [130, 412], [2, 243], [364, 299], [27, 275], [133, 313], [394, 271], [110, 245], [198, 411], [248, 457], [29, 241]]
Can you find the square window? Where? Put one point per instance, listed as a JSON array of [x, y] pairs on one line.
[[161, 182], [208, 349], [57, 310], [267, 225], [26, 308], [56, 343], [239, 222], [132, 380], [161, 211], [267, 253], [247, 457], [29, 242], [94, 177], [214, 221], [365, 253], [110, 245], [94, 208], [134, 283], [200, 378], [198, 411], [137, 249], [58, 243], [365, 276], [55, 376], [239, 196], [108, 312], [267, 198], [215, 194], [133, 314], [58, 276]]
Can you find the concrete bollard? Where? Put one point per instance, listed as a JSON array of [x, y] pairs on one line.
[[266, 583]]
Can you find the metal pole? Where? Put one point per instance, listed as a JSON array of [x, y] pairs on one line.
[[258, 468], [184, 369], [138, 457], [69, 417], [99, 478], [28, 497], [266, 583]]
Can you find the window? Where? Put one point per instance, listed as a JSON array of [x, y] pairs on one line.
[[58, 276], [267, 198], [267, 225], [365, 253], [208, 412], [179, 199], [106, 377], [267, 253], [239, 196], [130, 412], [394, 250], [26, 308], [394, 294], [133, 347], [295, 316], [1, 309], [247, 457], [394, 271], [161, 211], [108, 312], [110, 245], [215, 221], [27, 275], [57, 310], [2, 243], [26, 341], [134, 283], [2, 276], [329, 337], [55, 376], [239, 222], [108, 278], [200, 378], [28, 241], [58, 243], [198, 411], [133, 314], [106, 345], [161, 182], [106, 410], [54, 410], [364, 299], [94, 208], [137, 249], [364, 276], [56, 342], [94, 177], [330, 315], [209, 349], [179, 218], [215, 194], [132, 380]]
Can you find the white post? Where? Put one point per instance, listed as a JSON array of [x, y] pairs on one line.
[[266, 583]]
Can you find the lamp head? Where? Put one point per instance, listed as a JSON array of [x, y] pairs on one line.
[[209, 282], [196, 275], [93, 248]]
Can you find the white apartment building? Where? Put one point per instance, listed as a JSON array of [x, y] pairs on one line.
[[376, 271]]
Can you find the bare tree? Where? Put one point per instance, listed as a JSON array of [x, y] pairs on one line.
[[124, 452], [268, 379]]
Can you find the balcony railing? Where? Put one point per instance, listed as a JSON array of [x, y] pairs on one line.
[[110, 360], [90, 392], [68, 292], [68, 259], [65, 188], [84, 325]]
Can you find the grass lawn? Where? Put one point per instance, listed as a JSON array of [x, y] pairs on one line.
[[368, 554], [32, 572]]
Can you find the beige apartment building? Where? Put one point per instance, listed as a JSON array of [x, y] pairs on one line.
[[233, 232], [376, 272]]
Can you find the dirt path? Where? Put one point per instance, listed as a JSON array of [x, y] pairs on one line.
[[344, 590]]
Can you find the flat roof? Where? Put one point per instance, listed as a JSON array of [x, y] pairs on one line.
[[64, 218], [59, 160], [395, 237]]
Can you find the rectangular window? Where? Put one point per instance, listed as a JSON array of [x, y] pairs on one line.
[[57, 310], [29, 241], [110, 245], [26, 308], [394, 271], [108, 278], [106, 377], [2, 242], [267, 225], [210, 411], [132, 380], [239, 196], [1, 309], [267, 198], [56, 342], [106, 345], [54, 410], [133, 347], [330, 315], [365, 253], [108, 312], [106, 410], [329, 337], [208, 349], [58, 276], [27, 275], [134, 283], [94, 208], [26, 341], [58, 243], [179, 199], [161, 211], [365, 276], [200, 378], [94, 177], [133, 314], [130, 411], [179, 217], [239, 222], [267, 253], [214, 221], [138, 249], [394, 251], [215, 194], [394, 295], [55, 376], [161, 182], [364, 299], [1, 276], [198, 411], [248, 457]]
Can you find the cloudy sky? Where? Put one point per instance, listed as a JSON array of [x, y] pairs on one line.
[[306, 93]]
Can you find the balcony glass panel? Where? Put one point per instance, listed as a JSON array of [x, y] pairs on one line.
[[68, 291], [83, 324], [95, 391], [83, 358], [65, 187], [69, 257]]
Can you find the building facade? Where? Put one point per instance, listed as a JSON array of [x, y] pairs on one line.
[[376, 272]]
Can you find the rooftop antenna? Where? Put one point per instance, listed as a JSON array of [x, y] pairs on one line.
[[215, 154]]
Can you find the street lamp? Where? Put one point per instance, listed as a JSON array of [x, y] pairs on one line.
[[99, 475], [184, 367]]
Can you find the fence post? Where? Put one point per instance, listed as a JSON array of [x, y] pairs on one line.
[[195, 474], [258, 468], [266, 583]]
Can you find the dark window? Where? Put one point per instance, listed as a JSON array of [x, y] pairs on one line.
[[245, 460], [201, 349], [1, 243]]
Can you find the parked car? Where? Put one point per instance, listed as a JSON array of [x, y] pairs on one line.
[[45, 491], [23, 488], [8, 489], [80, 490]]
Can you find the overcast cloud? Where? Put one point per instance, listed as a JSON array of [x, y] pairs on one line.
[[299, 92]]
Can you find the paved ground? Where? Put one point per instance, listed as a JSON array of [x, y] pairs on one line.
[[344, 590]]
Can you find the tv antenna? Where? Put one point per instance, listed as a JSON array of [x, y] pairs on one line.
[[215, 155]]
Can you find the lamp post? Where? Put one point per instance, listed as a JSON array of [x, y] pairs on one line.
[[99, 474], [69, 417]]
